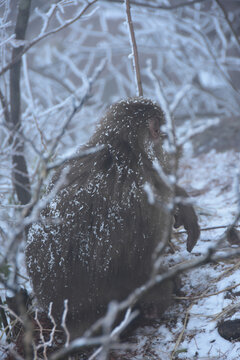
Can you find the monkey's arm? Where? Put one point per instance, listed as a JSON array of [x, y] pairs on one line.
[[185, 215]]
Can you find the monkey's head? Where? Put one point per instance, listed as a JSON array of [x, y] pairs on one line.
[[132, 124]]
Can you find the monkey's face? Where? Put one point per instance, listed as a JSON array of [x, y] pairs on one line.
[[153, 140], [154, 129]]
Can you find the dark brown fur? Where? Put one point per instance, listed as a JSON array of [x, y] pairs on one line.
[[102, 249]]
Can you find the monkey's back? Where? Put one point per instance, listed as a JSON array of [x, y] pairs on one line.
[[95, 241]]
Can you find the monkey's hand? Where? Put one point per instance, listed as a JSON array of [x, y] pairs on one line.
[[185, 215]]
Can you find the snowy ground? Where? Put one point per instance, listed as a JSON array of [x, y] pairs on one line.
[[188, 330]]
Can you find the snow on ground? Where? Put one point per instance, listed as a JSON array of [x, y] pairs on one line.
[[188, 330]]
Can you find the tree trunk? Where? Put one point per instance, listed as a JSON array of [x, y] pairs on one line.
[[20, 173]]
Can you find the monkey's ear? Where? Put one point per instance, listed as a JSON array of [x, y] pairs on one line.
[[154, 128], [185, 215]]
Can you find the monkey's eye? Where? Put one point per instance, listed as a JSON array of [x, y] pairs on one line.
[[154, 128]]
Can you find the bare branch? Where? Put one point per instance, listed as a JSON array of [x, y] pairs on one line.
[[134, 50], [160, 7], [208, 228]]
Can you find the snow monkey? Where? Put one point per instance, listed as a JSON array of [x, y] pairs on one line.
[[95, 240]]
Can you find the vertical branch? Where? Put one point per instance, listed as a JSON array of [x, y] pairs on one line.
[[20, 172], [134, 49], [173, 162]]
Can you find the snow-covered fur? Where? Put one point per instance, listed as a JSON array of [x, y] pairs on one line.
[[96, 237]]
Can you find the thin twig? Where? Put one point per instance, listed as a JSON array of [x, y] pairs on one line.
[[63, 323], [30, 94], [40, 345], [206, 295], [129, 316], [207, 228], [182, 332], [160, 7], [134, 49], [77, 156], [172, 158], [50, 315]]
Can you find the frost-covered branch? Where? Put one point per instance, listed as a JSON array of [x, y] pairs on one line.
[[107, 341], [81, 154], [159, 7], [114, 334], [63, 323], [170, 128], [32, 106], [78, 106], [18, 56], [78, 344], [235, 34]]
